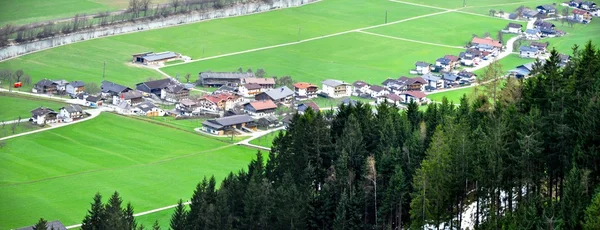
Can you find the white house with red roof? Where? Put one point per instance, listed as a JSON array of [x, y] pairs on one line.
[[392, 99], [305, 90], [416, 96]]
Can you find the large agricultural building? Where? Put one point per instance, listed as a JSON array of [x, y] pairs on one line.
[[150, 58]]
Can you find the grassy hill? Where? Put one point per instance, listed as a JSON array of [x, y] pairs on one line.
[[15, 105], [54, 174]]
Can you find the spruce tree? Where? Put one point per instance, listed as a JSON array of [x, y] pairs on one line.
[[129, 219], [592, 213], [178, 219], [114, 217], [155, 226], [41, 225], [94, 218]]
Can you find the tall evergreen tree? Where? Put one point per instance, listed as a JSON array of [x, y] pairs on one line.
[[178, 219], [95, 216], [592, 212], [41, 225], [114, 215]]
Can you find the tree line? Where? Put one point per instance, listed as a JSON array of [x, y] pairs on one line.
[[526, 156], [136, 10]]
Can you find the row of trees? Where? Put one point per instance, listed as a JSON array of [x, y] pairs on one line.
[[136, 10]]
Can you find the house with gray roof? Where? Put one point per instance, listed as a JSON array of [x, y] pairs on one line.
[[278, 95], [221, 126], [218, 79], [54, 225], [378, 91], [75, 87], [42, 116], [528, 52], [45, 86], [433, 82], [336, 88], [110, 89], [70, 112], [150, 58], [422, 67], [148, 109]]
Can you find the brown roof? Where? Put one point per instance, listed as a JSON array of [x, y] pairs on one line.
[[251, 86], [417, 94], [393, 97], [303, 85], [262, 105], [539, 44], [487, 41], [312, 105], [257, 80], [187, 102], [451, 58]]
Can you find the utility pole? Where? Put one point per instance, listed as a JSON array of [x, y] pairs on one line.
[[385, 16]]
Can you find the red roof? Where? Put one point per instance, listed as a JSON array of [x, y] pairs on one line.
[[417, 94], [313, 105], [260, 81], [451, 58], [579, 11], [303, 85], [487, 41], [262, 105], [216, 98]]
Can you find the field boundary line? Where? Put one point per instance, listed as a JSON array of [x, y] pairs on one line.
[[306, 40], [458, 10], [505, 4], [164, 27], [410, 40]]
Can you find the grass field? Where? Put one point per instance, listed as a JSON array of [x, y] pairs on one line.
[[17, 105], [266, 140], [348, 57], [449, 29], [6, 130], [218, 37], [326, 103], [452, 96], [58, 171]]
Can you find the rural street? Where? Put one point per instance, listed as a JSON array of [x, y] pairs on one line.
[[15, 121], [47, 96]]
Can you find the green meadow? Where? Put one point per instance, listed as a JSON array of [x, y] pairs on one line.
[[448, 29], [58, 171], [266, 140], [348, 57], [15, 105]]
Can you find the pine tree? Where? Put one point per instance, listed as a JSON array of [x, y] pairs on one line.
[[571, 201], [114, 218], [257, 204], [592, 212], [341, 221], [41, 225], [178, 219], [155, 226], [129, 219], [195, 217], [94, 219]]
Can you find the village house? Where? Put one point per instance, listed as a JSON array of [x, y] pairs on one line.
[[187, 107], [414, 96], [486, 44], [221, 101], [174, 93], [218, 79], [61, 86], [150, 58], [528, 52], [377, 91], [587, 5], [547, 10], [392, 99], [45, 86], [336, 89], [433, 82], [522, 71], [304, 90], [453, 80], [533, 34], [304, 106], [42, 116], [75, 87], [530, 14], [414, 84], [466, 75], [443, 65], [132, 98], [514, 28], [221, 126], [540, 24], [422, 67], [70, 112], [278, 95], [154, 87], [110, 89], [394, 85], [360, 87], [454, 60], [148, 109], [249, 89], [93, 101], [227, 89], [541, 46], [260, 108], [547, 32], [470, 57], [582, 16], [265, 84]]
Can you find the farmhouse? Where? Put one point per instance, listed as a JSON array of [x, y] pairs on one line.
[[582, 16], [278, 95], [304, 90], [150, 58], [220, 101], [539, 24], [61, 86], [148, 109], [433, 82], [174, 93], [227, 89], [93, 101], [155, 86], [453, 60], [336, 89], [530, 14], [547, 10], [414, 96], [541, 46], [391, 99], [75, 87], [45, 86], [110, 89], [422, 67], [533, 34], [470, 57], [304, 106], [260, 108], [378, 91], [249, 89], [132, 98], [451, 80], [218, 79], [528, 52], [414, 84], [42, 116], [187, 106], [514, 28], [264, 83], [71, 112], [221, 125], [360, 87], [486, 44], [443, 64]]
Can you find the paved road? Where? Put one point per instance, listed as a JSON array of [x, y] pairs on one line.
[[46, 96]]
